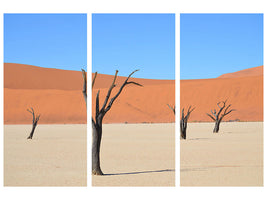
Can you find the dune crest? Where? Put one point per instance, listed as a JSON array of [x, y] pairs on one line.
[[243, 89], [57, 96], [19, 76], [254, 71]]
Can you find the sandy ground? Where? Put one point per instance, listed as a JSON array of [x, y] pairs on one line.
[[56, 156], [233, 157], [137, 155]]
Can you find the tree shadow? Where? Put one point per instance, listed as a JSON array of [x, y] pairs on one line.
[[193, 169], [208, 168], [141, 172], [199, 139]]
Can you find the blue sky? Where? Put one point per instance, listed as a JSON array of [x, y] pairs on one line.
[[214, 44], [134, 41], [46, 40]]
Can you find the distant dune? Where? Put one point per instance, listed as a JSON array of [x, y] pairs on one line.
[[254, 71], [19, 76], [243, 89], [57, 96], [53, 93]]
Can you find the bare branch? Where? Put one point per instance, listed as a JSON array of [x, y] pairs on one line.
[[109, 92], [33, 115], [172, 108], [97, 104], [189, 111], [229, 112], [131, 75], [227, 108], [132, 82], [93, 82], [37, 118], [29, 111], [225, 111], [213, 113], [211, 116], [120, 90], [221, 108]]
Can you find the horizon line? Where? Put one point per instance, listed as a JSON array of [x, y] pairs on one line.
[[80, 71]]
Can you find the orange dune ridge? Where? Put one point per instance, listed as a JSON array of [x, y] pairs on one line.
[[57, 96], [242, 89], [53, 93], [19, 76], [147, 104]]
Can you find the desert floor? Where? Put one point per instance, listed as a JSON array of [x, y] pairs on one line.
[[233, 157], [56, 156], [137, 155]]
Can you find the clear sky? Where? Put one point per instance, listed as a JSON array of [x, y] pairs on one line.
[[134, 41], [46, 40], [214, 44]]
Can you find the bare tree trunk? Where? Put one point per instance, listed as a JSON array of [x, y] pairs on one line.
[[183, 127], [217, 126], [183, 122], [97, 136], [97, 122], [32, 132], [218, 116], [96, 140], [35, 120], [84, 86]]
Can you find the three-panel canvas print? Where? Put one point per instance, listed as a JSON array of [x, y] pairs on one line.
[[135, 122]]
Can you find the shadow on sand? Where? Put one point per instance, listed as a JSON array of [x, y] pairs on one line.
[[208, 168], [142, 172], [199, 139], [193, 169]]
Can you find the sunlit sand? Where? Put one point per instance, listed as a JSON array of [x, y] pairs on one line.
[[56, 156], [233, 157], [137, 155]]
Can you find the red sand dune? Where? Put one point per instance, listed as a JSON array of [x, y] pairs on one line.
[[53, 93], [19, 76], [56, 95], [243, 89]]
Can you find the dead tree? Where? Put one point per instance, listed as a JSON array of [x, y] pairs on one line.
[[218, 116], [99, 115], [172, 108], [35, 120], [84, 86], [183, 122]]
